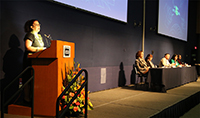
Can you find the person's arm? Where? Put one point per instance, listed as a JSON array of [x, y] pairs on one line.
[[141, 68], [164, 62], [148, 63], [161, 63], [172, 61], [177, 63], [138, 64], [151, 64], [29, 47]]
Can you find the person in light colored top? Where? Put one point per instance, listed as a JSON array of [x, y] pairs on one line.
[[148, 59], [164, 62]]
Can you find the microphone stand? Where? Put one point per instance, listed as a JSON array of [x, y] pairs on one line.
[[46, 38]]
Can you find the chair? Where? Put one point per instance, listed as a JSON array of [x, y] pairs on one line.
[[139, 76], [140, 79]]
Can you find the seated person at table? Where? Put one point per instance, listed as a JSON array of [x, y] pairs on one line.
[[164, 61], [174, 61], [179, 59], [181, 63], [141, 63], [148, 59]]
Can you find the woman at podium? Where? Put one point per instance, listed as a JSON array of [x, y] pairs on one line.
[[33, 43], [33, 40]]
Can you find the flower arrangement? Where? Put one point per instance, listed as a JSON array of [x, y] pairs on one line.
[[77, 106]]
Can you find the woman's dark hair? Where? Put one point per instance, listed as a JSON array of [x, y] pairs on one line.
[[173, 57], [138, 54], [148, 57], [28, 24]]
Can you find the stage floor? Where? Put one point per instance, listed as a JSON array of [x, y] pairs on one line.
[[126, 102]]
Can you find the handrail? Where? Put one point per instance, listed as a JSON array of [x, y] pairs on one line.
[[75, 96], [19, 90]]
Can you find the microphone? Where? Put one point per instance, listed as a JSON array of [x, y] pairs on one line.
[[46, 38]]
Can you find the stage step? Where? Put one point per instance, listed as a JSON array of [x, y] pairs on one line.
[[19, 110]]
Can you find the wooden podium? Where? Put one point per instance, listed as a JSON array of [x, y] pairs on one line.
[[50, 66]]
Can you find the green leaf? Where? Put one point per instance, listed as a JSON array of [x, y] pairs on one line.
[[71, 107], [66, 99], [79, 99], [74, 84], [69, 78], [90, 108], [81, 105], [70, 99], [63, 87], [79, 109]]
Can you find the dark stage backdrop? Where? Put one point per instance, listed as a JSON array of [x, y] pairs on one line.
[[100, 42]]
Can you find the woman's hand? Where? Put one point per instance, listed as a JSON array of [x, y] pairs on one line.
[[29, 47], [40, 49]]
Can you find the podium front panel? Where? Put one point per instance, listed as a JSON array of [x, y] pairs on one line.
[[50, 67]]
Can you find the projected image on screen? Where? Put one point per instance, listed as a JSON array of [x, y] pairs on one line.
[[116, 9], [173, 18]]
